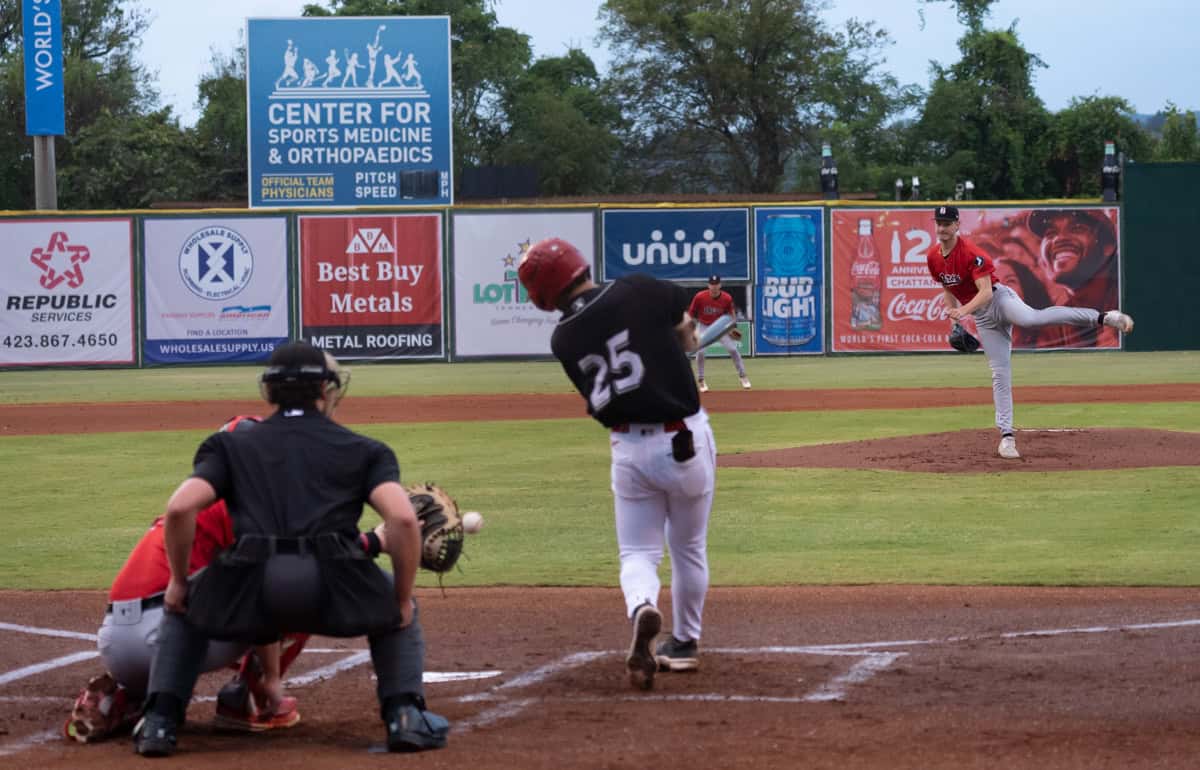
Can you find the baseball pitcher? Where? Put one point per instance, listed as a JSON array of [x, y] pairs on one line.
[[967, 277]]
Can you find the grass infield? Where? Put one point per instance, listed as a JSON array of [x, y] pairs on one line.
[[75, 504]]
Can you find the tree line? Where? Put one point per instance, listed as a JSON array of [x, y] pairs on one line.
[[705, 96]]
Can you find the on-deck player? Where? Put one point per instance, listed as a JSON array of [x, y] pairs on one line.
[[624, 346], [967, 277], [707, 306]]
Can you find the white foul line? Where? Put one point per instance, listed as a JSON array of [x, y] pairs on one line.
[[46, 632], [48, 665], [835, 689], [29, 741]]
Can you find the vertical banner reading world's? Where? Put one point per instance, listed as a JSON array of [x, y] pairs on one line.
[[371, 286], [883, 297], [790, 280], [67, 293], [216, 289], [349, 111], [492, 312]]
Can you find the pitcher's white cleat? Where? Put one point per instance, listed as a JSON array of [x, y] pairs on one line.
[[1118, 320], [1008, 448]]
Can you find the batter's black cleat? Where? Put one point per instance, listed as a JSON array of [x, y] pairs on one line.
[[154, 736], [647, 622], [411, 728], [674, 655]]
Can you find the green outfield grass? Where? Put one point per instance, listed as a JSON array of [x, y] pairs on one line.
[[898, 371], [75, 504]]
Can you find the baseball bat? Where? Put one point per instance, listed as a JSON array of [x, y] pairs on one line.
[[719, 329]]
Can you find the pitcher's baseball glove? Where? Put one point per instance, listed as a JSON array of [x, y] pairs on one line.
[[962, 340], [441, 526]]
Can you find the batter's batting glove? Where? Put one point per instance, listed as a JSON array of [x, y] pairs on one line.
[[962, 340]]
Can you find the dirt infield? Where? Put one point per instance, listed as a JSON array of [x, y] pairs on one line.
[[814, 677], [795, 676]]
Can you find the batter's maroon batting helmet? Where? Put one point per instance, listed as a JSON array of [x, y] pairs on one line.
[[547, 268]]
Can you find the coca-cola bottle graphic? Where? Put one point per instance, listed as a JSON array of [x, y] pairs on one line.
[[865, 280]]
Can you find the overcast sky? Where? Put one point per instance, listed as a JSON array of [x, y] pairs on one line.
[[1147, 51]]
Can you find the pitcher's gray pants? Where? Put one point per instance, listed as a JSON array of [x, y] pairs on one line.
[[995, 321]]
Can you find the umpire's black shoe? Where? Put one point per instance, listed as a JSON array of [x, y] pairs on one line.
[[411, 728], [154, 736]]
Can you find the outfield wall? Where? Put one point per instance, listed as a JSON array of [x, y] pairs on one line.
[[139, 289]]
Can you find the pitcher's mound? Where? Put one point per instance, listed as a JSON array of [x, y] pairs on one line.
[[974, 451]]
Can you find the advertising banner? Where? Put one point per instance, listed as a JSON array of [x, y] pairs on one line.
[[349, 111], [492, 313], [216, 289], [371, 286], [678, 244], [41, 24], [789, 280], [67, 294], [883, 297]]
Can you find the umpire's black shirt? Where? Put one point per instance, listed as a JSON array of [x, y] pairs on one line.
[[296, 474], [618, 345]]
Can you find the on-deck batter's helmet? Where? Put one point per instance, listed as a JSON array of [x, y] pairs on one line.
[[547, 268]]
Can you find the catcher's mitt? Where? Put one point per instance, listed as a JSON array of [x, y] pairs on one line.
[[441, 526], [102, 709], [962, 340]]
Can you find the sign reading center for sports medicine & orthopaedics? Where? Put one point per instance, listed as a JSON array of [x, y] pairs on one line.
[[349, 111]]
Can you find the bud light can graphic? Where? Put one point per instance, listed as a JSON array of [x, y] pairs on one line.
[[788, 313]]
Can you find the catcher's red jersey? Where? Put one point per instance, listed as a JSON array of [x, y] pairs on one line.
[[705, 308], [958, 270], [147, 571]]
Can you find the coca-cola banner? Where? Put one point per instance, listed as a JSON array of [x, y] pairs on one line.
[[790, 280], [371, 286], [883, 298]]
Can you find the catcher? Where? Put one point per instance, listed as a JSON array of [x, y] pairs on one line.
[[707, 306], [252, 701], [295, 487]]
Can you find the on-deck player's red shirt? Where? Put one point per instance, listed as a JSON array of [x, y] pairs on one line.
[[147, 571], [958, 271], [706, 309]]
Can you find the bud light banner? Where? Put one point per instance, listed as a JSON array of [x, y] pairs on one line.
[[883, 297], [371, 286], [678, 244], [67, 293], [790, 281], [216, 289], [492, 312]]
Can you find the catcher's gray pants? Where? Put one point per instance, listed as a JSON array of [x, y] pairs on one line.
[[292, 590], [128, 638], [995, 321]]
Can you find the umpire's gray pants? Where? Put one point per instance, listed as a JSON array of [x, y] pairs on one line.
[[291, 595], [995, 321]]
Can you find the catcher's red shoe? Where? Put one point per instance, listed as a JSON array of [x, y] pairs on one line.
[[101, 710], [237, 710]]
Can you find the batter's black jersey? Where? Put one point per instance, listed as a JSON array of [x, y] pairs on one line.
[[618, 345], [296, 474]]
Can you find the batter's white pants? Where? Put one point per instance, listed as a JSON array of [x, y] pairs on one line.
[[995, 321], [658, 498], [128, 638], [729, 344]]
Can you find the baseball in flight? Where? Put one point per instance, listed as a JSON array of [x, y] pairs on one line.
[[472, 522]]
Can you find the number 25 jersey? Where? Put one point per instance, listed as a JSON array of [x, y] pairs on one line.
[[617, 344]]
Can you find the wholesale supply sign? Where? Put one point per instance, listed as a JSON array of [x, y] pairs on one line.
[[492, 312], [67, 294], [883, 297], [371, 286], [678, 244], [349, 111], [216, 289]]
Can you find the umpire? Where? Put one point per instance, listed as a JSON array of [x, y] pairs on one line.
[[295, 488]]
